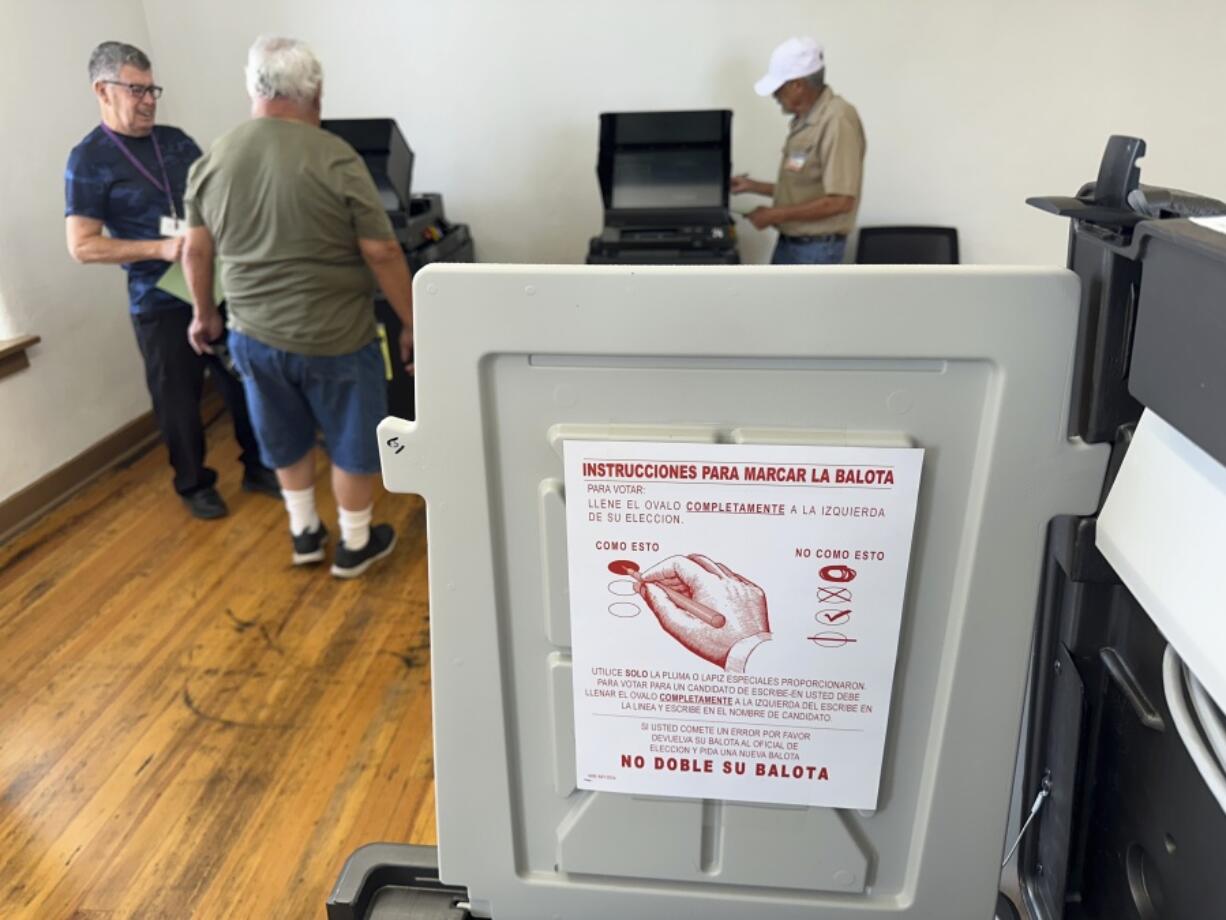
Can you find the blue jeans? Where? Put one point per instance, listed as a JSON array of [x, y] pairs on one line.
[[821, 252], [291, 395]]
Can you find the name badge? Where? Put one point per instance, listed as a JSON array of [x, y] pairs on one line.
[[172, 226], [795, 162]]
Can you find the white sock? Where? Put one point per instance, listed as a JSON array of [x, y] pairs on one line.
[[355, 526], [300, 504]]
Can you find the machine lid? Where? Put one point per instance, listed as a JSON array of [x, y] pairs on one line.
[[656, 163]]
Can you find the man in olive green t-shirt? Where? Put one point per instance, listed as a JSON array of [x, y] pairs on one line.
[[817, 192], [294, 216]]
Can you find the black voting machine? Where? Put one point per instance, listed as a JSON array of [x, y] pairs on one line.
[[422, 229], [664, 183], [1129, 831]]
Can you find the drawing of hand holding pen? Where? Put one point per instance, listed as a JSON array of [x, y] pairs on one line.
[[704, 605]]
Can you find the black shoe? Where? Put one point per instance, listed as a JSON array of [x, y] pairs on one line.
[[263, 480], [350, 563], [309, 545], [206, 504]]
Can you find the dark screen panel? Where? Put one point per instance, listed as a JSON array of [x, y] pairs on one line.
[[668, 179]]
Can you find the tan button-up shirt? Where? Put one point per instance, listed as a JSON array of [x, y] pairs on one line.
[[823, 155]]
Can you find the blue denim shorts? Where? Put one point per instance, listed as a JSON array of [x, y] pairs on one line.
[[291, 396]]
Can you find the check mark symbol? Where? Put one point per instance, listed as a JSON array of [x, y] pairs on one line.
[[836, 616]]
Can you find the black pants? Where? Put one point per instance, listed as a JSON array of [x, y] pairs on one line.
[[175, 377]]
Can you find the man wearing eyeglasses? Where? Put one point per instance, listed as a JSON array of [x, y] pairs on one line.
[[817, 193], [128, 176]]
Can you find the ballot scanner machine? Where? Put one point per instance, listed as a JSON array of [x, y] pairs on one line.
[[664, 180], [1010, 458], [418, 220], [1125, 748]]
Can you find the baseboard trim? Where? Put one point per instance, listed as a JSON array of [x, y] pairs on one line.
[[22, 509]]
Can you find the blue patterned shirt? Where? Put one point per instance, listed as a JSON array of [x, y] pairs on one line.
[[101, 183]]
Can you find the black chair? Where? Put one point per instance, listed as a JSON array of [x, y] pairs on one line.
[[907, 246]]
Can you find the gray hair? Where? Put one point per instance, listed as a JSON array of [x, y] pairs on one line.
[[283, 68], [817, 79], [108, 59]]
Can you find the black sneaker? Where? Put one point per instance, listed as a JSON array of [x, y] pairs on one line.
[[263, 480], [206, 504], [350, 563], [309, 545]]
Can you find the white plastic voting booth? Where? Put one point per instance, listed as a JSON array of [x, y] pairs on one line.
[[733, 579]]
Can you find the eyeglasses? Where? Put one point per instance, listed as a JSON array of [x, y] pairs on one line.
[[138, 89]]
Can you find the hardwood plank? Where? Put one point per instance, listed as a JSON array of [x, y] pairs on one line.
[[191, 727]]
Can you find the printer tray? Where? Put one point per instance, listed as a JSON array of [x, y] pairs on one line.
[[605, 256]]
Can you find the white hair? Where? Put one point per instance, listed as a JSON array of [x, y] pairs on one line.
[[283, 68]]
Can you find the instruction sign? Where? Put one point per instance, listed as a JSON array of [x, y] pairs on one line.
[[735, 612]]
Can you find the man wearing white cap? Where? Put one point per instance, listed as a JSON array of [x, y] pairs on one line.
[[818, 189]]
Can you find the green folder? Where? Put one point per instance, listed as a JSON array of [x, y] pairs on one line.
[[174, 282]]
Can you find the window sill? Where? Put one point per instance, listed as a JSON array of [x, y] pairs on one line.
[[13, 357]]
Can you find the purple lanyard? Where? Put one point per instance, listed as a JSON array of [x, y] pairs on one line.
[[164, 185]]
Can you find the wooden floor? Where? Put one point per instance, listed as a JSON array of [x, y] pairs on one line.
[[190, 727]]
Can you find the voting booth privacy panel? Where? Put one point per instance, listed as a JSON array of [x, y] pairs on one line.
[[733, 579]]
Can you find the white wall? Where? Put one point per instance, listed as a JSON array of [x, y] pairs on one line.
[[84, 381], [969, 105]]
